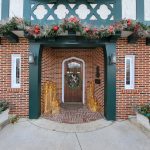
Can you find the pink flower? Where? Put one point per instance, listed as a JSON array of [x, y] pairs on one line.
[[95, 29], [73, 19], [111, 29], [136, 28], [36, 29], [86, 29]]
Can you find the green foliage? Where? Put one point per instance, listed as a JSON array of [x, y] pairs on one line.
[[9, 26], [144, 110], [73, 24], [14, 119], [3, 105]]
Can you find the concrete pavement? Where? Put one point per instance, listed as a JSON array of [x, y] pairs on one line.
[[28, 135]]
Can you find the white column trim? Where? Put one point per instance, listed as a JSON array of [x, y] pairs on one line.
[[16, 8]]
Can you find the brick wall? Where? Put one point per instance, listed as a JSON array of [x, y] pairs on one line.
[[52, 65], [98, 60], [17, 98], [128, 99], [48, 70]]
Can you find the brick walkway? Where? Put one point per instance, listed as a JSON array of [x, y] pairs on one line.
[[74, 115]]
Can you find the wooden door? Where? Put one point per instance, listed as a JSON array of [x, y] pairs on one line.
[[73, 89]]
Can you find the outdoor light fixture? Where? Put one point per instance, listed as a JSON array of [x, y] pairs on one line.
[[112, 58], [31, 58]]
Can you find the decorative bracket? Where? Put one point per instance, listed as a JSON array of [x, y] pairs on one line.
[[13, 38], [133, 38], [148, 41]]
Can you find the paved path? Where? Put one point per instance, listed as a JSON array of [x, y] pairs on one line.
[[26, 135]]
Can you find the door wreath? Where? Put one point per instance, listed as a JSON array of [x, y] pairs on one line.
[[73, 80]]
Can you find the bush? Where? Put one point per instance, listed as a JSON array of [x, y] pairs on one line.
[[145, 110], [3, 105]]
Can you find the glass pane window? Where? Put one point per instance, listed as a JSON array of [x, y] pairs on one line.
[[129, 71], [16, 71]]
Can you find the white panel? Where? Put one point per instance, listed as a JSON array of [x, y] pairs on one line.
[[93, 18], [129, 9], [147, 10], [0, 9], [104, 12], [61, 11], [16, 8], [83, 11], [40, 12]]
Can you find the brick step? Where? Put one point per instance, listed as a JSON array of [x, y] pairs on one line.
[[71, 105]]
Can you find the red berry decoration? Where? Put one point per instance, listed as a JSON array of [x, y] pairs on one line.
[[36, 29], [129, 22], [55, 28], [87, 29]]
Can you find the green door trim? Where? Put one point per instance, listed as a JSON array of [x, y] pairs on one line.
[[35, 82], [110, 83], [35, 78]]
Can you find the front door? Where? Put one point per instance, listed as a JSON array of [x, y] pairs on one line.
[[73, 88]]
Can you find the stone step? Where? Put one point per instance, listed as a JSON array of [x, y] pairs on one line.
[[4, 119]]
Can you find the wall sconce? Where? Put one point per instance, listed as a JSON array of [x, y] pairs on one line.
[[31, 58], [112, 59]]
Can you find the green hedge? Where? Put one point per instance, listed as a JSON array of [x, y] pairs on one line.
[[3, 106]]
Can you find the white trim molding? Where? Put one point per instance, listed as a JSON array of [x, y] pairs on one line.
[[63, 78], [147, 10], [129, 9], [16, 8], [0, 9], [15, 83], [130, 67]]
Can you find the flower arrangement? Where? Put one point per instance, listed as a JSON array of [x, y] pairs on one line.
[[74, 24], [37, 31], [90, 33]]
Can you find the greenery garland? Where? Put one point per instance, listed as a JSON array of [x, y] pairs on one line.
[[73, 23]]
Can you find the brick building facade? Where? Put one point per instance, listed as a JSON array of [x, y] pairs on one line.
[[102, 34], [126, 99]]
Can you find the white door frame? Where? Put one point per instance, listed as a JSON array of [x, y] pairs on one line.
[[63, 78]]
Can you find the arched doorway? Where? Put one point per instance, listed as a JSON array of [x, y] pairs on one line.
[[73, 80]]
